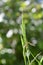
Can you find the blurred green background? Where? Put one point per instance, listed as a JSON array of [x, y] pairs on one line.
[[10, 31]]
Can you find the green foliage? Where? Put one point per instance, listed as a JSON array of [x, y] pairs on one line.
[[12, 13]]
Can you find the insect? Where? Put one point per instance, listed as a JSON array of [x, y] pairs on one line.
[[28, 43]]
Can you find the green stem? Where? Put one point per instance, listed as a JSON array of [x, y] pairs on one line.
[[35, 57], [24, 56]]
